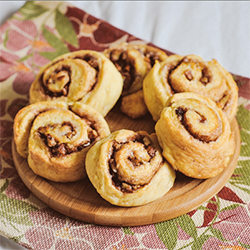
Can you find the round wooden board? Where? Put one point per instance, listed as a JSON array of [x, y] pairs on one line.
[[80, 200]]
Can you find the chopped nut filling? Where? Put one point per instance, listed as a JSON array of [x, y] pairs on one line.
[[188, 74], [58, 82], [180, 112], [63, 76], [151, 151], [146, 141], [206, 78], [151, 57], [91, 60], [205, 74], [125, 66], [65, 130], [224, 100], [123, 185]]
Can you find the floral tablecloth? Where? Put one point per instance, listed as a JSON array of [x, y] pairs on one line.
[[32, 37]]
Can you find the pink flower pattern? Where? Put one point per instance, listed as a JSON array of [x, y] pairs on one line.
[[21, 44], [240, 219], [9, 66], [235, 227], [52, 230], [150, 238]]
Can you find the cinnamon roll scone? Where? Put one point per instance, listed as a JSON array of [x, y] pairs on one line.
[[86, 76], [127, 168], [134, 61], [55, 138], [195, 135], [189, 74]]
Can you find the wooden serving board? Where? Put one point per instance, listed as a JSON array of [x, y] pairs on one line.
[[80, 200]]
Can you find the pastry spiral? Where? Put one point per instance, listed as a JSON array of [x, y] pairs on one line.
[[85, 76], [55, 138], [134, 61], [127, 168], [195, 135], [189, 74]]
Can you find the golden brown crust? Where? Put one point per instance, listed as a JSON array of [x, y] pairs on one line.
[[57, 138], [127, 168], [24, 119], [190, 73], [195, 135], [134, 61], [133, 105], [86, 76]]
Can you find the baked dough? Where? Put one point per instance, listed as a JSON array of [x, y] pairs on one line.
[[195, 135], [134, 61], [24, 120], [86, 76], [189, 74], [133, 105], [55, 137], [127, 168]]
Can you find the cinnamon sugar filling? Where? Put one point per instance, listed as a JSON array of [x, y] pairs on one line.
[[60, 149], [224, 101], [205, 73], [125, 65], [202, 136], [63, 74], [151, 57], [118, 182]]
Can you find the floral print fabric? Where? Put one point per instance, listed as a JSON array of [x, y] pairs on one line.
[[32, 37]]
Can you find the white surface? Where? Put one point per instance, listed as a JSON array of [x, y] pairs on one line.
[[211, 29], [6, 244]]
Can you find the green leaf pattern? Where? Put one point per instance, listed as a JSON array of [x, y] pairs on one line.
[[65, 33], [168, 233], [65, 29], [16, 211], [31, 10], [56, 43]]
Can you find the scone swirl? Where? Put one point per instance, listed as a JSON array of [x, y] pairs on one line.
[[85, 76], [134, 61], [57, 139], [127, 168], [195, 135], [190, 73]]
